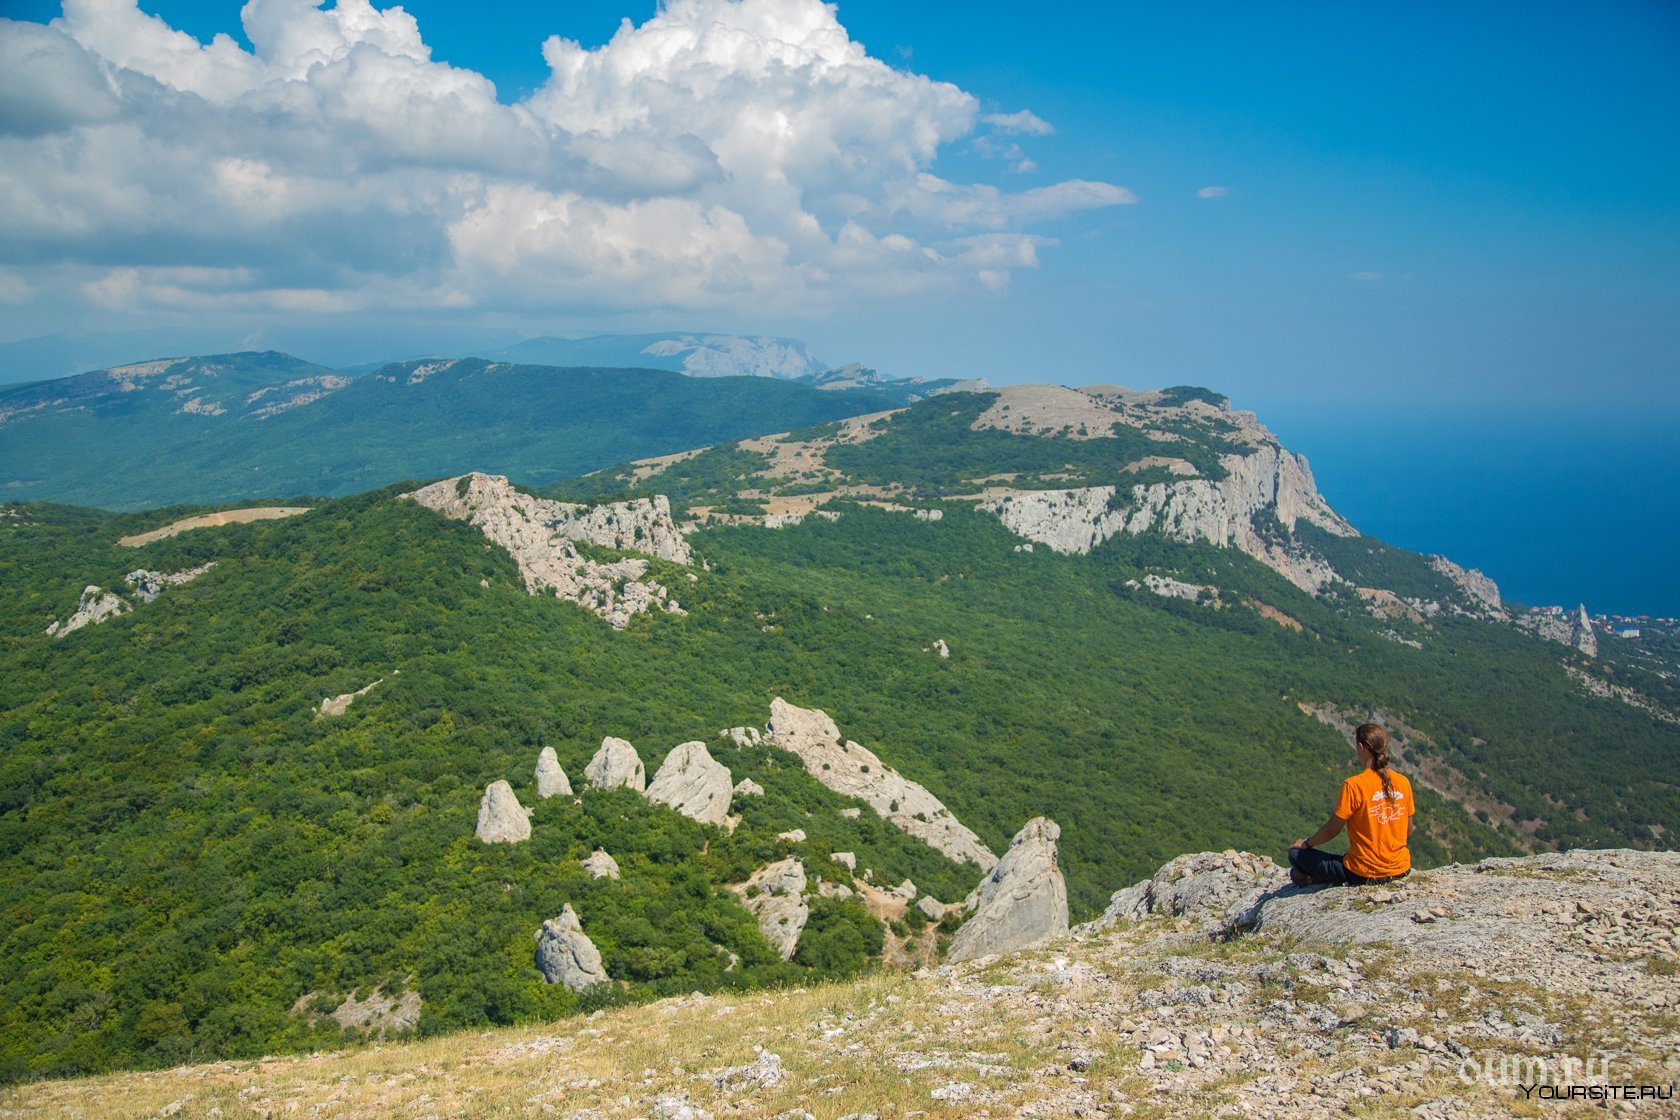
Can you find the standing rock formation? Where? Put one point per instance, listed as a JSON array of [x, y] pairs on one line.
[[600, 865], [1022, 902], [693, 783], [775, 895], [849, 769], [551, 780], [565, 955], [540, 535], [1581, 634], [746, 787], [501, 818], [616, 764], [95, 607]]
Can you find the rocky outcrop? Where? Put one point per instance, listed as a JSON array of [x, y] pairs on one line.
[[1169, 588], [551, 780], [97, 605], [377, 1014], [853, 771], [1218, 888], [693, 783], [742, 736], [943, 650], [565, 955], [501, 818], [848, 860], [542, 537], [1571, 629], [1581, 634], [338, 705], [775, 896], [1268, 480], [932, 909], [792, 836], [616, 764], [600, 865], [1022, 902], [746, 787], [149, 584], [1477, 587]]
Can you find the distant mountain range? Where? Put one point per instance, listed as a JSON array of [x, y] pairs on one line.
[[231, 426]]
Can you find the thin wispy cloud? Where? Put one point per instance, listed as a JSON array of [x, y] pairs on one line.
[[1214, 192], [726, 154]]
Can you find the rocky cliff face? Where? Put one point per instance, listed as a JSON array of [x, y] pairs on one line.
[[854, 771], [1022, 901], [1572, 629], [542, 535], [1268, 480], [693, 783], [1477, 587]]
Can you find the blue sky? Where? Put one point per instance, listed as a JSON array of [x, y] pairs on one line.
[[1469, 201]]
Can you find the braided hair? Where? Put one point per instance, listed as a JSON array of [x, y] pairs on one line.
[[1374, 738]]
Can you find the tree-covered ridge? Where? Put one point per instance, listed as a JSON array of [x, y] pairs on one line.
[[91, 441], [188, 849]]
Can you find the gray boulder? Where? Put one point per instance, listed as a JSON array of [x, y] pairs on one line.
[[775, 896], [616, 764], [551, 780], [1022, 902], [1217, 888], [565, 955], [600, 865], [501, 818], [746, 787], [693, 783], [96, 606]]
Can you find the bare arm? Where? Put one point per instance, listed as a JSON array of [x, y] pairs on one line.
[[1327, 832]]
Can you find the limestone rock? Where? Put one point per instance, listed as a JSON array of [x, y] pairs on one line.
[[501, 818], [551, 780], [616, 764], [542, 537], [1571, 629], [565, 955], [743, 736], [377, 1014], [96, 606], [943, 650], [775, 896], [792, 836], [746, 787], [1022, 901], [600, 865], [149, 584], [932, 909], [1581, 634], [1478, 588], [693, 783], [845, 859], [854, 771], [338, 705], [1217, 888], [851, 812], [1268, 479]]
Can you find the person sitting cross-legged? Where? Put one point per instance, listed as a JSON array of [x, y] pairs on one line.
[[1376, 807]]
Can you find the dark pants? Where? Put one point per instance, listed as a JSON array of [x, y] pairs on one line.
[[1326, 868]]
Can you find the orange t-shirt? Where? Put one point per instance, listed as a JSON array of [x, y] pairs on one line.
[[1376, 823]]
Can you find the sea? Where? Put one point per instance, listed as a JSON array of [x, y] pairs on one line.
[[1558, 508]]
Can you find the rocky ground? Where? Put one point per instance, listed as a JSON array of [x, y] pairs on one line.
[[1209, 990]]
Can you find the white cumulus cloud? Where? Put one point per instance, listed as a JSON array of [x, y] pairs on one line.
[[725, 154]]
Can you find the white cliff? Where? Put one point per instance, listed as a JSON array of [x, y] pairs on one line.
[[1221, 513], [1022, 901], [542, 536], [1477, 587], [693, 783], [854, 771]]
